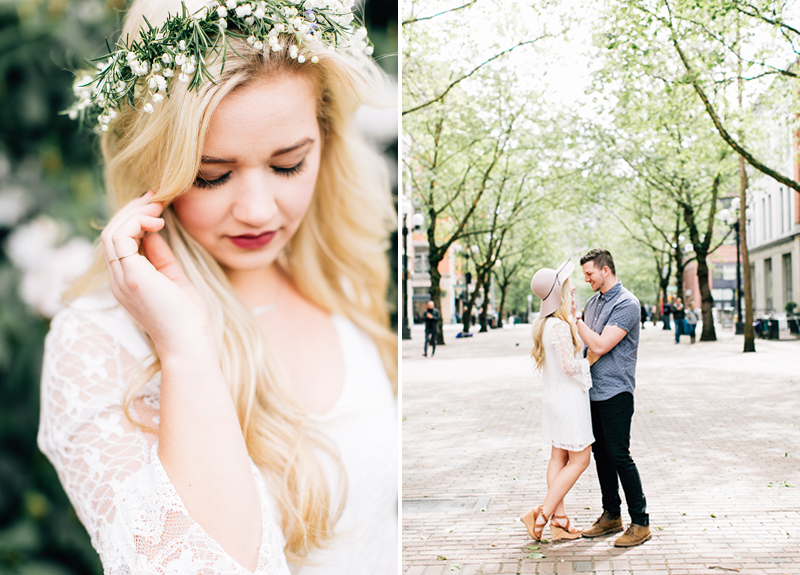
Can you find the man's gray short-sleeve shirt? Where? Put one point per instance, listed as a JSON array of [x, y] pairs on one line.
[[614, 372]]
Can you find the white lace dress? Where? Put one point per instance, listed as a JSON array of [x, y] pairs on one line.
[[566, 417], [111, 472]]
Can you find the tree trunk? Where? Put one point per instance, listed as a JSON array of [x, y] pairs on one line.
[[709, 333], [485, 311], [502, 310], [466, 319], [749, 330], [436, 296]]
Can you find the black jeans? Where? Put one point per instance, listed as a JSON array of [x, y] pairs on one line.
[[611, 424], [430, 335]]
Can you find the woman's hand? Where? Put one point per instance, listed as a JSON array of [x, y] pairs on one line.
[[153, 288]]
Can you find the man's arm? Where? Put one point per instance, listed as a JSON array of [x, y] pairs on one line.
[[600, 343]]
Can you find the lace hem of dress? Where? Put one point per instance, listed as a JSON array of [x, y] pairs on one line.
[[571, 447]]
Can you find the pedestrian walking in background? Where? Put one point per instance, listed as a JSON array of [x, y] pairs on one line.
[[679, 315], [432, 317], [610, 329], [566, 416], [666, 313], [692, 317], [644, 314]]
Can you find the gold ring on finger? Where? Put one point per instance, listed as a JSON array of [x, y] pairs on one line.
[[125, 256]]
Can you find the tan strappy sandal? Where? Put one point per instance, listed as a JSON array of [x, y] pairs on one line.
[[559, 530], [533, 521]]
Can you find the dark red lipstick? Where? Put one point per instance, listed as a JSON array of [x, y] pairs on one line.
[[252, 241]]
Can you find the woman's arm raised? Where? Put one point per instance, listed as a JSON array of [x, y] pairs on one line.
[[200, 443]]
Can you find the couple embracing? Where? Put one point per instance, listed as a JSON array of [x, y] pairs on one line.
[[589, 369]]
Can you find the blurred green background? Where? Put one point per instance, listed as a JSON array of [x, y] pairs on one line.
[[51, 201]]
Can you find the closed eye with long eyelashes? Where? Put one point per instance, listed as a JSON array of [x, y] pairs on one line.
[[205, 183]]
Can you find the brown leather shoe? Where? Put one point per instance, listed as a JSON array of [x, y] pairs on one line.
[[635, 535], [604, 525]]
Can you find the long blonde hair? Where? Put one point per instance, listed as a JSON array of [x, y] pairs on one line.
[[563, 313], [337, 258]]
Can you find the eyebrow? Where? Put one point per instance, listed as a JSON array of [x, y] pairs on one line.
[[286, 150]]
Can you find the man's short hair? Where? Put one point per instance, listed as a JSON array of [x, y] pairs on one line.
[[601, 259]]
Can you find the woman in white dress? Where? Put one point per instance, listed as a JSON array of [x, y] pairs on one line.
[[220, 395], [566, 417]]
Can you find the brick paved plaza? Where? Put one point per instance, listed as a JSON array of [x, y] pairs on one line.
[[716, 437]]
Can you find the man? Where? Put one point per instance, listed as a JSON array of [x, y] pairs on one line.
[[432, 317], [678, 315], [610, 330]]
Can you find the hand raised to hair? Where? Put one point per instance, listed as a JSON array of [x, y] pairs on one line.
[[153, 288]]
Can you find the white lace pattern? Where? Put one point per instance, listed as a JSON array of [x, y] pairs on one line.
[[566, 416], [109, 468]]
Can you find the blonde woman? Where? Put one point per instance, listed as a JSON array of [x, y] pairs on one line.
[[221, 397], [566, 418]]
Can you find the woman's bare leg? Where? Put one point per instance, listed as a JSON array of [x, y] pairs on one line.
[[563, 477], [558, 460]]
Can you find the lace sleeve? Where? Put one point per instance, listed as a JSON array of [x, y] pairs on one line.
[[110, 469], [573, 365]]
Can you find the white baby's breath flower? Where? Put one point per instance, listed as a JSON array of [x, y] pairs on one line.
[[315, 60], [158, 97], [250, 20], [130, 57], [223, 24], [180, 59], [259, 45], [244, 10], [139, 68], [104, 128], [159, 81], [259, 13], [361, 33], [369, 50], [301, 58], [182, 45], [183, 77], [112, 113], [167, 58], [148, 108], [169, 73], [251, 40], [156, 67], [73, 114], [222, 12], [231, 4]]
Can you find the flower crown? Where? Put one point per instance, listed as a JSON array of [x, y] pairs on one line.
[[180, 45]]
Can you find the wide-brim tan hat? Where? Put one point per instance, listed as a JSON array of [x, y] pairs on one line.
[[546, 284]]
